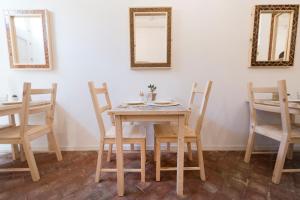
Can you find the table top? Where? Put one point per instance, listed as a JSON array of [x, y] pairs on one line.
[[149, 110], [293, 105], [4, 106]]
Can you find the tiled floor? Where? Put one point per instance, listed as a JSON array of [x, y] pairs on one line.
[[228, 177]]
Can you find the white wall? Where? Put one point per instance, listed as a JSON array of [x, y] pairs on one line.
[[91, 42]]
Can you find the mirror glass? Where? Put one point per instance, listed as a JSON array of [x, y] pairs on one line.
[[274, 36], [150, 37], [29, 41]]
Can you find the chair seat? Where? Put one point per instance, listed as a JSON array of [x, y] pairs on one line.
[[4, 126], [170, 131], [129, 132], [275, 131], [13, 133]]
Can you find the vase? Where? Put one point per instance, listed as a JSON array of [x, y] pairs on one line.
[[152, 96]]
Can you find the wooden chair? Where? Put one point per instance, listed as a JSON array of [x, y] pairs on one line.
[[25, 133], [132, 134], [190, 104], [166, 133], [285, 134], [15, 150], [14, 147]]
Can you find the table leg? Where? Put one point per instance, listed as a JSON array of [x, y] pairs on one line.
[[14, 147], [291, 146], [119, 152], [180, 156]]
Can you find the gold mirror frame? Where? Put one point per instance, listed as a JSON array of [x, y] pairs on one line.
[[10, 32], [132, 11], [258, 10]]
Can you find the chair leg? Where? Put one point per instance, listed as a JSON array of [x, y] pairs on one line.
[[290, 152], [99, 161], [154, 150], [110, 146], [22, 155], [30, 160], [143, 161], [190, 152], [168, 146], [250, 145], [53, 145], [200, 159], [157, 160], [15, 151], [283, 148]]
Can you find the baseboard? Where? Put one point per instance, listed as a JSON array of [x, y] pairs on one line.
[[7, 149]]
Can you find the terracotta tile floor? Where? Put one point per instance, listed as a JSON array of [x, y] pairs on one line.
[[228, 177]]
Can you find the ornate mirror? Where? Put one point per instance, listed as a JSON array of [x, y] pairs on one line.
[[274, 35], [150, 37], [28, 39]]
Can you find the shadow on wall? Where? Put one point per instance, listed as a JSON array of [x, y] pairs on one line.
[[262, 142], [267, 118], [69, 131], [214, 135]]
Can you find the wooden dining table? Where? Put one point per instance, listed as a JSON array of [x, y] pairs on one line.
[[149, 113]]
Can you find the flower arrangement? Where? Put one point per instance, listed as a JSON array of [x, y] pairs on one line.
[[152, 88]]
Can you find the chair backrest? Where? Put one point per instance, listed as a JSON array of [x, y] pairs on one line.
[[284, 108], [204, 102], [194, 91], [97, 107], [47, 107], [254, 105]]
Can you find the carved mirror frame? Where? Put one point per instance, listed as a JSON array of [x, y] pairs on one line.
[[10, 33], [276, 64], [132, 12]]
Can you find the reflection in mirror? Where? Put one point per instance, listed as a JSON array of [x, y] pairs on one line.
[[28, 38], [274, 35], [150, 37], [282, 33]]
